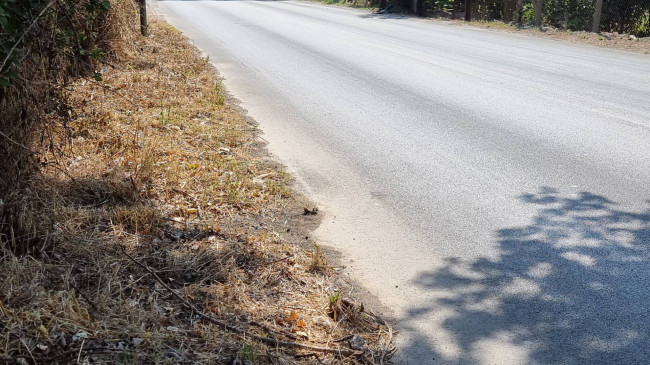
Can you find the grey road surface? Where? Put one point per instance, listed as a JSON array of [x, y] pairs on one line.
[[492, 190]]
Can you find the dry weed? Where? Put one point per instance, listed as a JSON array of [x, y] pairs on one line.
[[158, 164]]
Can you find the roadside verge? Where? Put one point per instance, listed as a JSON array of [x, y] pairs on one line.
[[168, 236]]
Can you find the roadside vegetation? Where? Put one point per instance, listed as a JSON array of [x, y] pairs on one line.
[[140, 219], [624, 24], [619, 16], [612, 40]]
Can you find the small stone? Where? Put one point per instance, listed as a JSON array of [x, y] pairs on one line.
[[632, 38], [356, 342], [322, 321], [312, 211], [62, 341], [78, 336]]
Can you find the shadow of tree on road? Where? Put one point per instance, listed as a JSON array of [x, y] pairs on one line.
[[573, 287]]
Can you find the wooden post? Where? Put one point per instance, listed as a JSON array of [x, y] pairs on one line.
[[538, 6], [420, 9], [599, 10], [144, 28], [468, 10]]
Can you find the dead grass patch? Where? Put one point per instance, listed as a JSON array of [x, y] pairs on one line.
[[163, 234]]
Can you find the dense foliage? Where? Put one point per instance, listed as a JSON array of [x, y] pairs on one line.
[[68, 28], [623, 16], [627, 16]]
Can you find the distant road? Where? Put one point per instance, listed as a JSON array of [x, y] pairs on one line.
[[493, 190]]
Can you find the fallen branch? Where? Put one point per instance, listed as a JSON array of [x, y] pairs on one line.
[[17, 143], [231, 328]]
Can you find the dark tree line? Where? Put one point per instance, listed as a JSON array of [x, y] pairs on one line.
[[623, 16]]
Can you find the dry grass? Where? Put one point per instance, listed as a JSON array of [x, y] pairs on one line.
[[155, 162], [34, 104]]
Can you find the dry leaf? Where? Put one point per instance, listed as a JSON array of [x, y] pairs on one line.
[[292, 317]]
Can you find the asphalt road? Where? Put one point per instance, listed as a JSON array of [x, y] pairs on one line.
[[492, 190]]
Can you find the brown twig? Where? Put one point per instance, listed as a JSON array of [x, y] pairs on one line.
[[344, 338], [231, 328], [84, 296], [17, 143], [271, 330]]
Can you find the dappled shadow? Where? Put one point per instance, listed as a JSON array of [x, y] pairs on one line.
[[54, 207], [572, 287]]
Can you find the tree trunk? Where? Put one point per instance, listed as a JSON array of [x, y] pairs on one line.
[[599, 10], [539, 12], [144, 27], [468, 10], [520, 11], [417, 7]]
